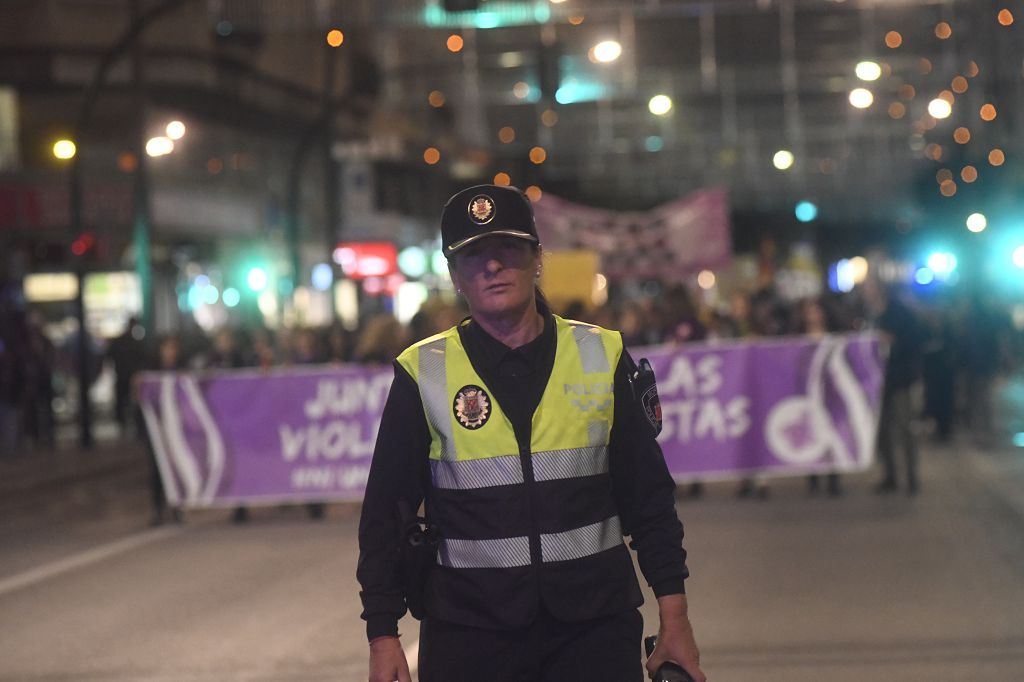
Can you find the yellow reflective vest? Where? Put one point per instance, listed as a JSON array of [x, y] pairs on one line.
[[523, 523]]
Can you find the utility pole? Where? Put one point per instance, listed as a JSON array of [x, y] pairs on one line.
[[140, 194], [332, 203], [140, 21]]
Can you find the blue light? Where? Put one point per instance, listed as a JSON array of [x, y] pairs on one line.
[[322, 277], [231, 297], [574, 90], [210, 295], [924, 276], [841, 276], [654, 143], [202, 281], [195, 297], [487, 20], [806, 211], [1018, 440]]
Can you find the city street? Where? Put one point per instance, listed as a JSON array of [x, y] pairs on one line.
[[794, 587]]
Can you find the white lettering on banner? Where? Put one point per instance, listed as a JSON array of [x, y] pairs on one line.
[[343, 397], [698, 414], [703, 379], [331, 441], [686, 420], [329, 478]]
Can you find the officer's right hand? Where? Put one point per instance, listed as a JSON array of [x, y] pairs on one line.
[[387, 661]]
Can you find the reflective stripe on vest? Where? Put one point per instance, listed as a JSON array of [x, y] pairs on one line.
[[515, 552], [507, 470]]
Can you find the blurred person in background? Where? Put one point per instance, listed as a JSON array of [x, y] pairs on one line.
[[679, 317], [12, 380], [168, 358], [763, 316], [42, 358], [939, 374], [903, 336], [306, 348], [226, 354], [478, 426], [813, 321], [381, 340], [127, 353], [263, 354], [339, 344], [982, 355], [306, 351]]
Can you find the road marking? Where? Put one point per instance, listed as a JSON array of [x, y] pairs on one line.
[[412, 655], [82, 559]]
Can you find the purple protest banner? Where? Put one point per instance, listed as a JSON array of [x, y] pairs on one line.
[[783, 407], [253, 437]]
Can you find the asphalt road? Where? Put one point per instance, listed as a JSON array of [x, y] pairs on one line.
[[789, 588]]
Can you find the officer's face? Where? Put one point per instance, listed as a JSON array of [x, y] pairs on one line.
[[496, 274]]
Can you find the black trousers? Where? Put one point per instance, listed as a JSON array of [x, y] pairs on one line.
[[601, 650]]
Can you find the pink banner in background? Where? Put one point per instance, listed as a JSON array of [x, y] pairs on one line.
[[669, 242]]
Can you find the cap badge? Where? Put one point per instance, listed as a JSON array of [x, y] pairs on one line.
[[481, 209], [472, 407]]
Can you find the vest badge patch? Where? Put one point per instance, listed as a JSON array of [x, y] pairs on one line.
[[652, 408], [472, 407]]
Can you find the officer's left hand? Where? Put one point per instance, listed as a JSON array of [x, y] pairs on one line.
[[676, 642]]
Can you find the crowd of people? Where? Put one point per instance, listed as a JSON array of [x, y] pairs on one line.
[[953, 351]]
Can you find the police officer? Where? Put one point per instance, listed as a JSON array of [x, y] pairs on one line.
[[523, 435]]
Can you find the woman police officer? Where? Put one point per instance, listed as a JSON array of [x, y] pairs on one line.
[[520, 433]]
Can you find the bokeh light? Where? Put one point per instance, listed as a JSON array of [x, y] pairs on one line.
[[605, 52], [706, 279], [436, 98], [969, 174], [175, 130], [538, 155], [897, 110], [431, 155], [335, 37], [454, 43], [534, 193], [948, 188], [977, 222], [783, 159], [868, 71], [988, 112], [659, 105], [943, 30], [959, 85], [893, 39], [549, 118], [1005, 17], [861, 98], [502, 179], [64, 149], [939, 108], [507, 134], [962, 135], [996, 157]]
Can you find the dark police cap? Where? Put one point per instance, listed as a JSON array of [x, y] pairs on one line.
[[486, 211]]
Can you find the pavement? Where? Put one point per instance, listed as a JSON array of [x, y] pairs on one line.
[[792, 588]]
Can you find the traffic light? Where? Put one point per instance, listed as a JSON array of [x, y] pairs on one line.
[[83, 244]]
